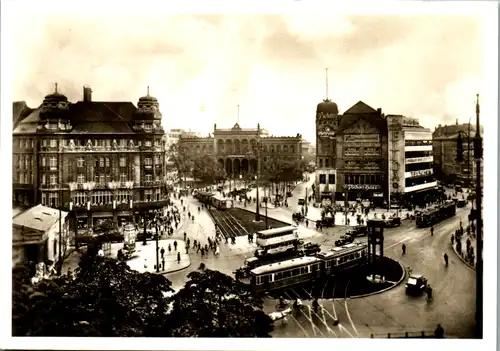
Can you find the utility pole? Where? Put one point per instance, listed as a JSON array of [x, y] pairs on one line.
[[59, 265], [267, 199], [257, 214], [157, 248], [468, 156], [478, 155]]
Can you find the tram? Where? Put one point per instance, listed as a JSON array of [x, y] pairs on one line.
[[299, 270], [436, 214], [208, 198]]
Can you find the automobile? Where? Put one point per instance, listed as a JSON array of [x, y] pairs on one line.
[[310, 248], [416, 284], [327, 222], [297, 216], [220, 188], [392, 222], [458, 188], [461, 203], [344, 239], [289, 194], [359, 230], [301, 202]]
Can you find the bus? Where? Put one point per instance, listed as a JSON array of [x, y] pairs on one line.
[[277, 241]]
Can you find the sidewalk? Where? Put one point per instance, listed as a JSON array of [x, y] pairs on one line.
[[463, 255]]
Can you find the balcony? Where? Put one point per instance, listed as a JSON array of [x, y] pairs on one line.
[[101, 207], [151, 183], [49, 186], [20, 186], [142, 205], [148, 166]]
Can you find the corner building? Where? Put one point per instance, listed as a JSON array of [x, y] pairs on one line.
[[351, 154], [236, 149], [96, 159], [411, 174]]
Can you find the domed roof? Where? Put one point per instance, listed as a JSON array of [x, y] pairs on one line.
[[55, 96], [327, 106], [148, 98], [53, 104]]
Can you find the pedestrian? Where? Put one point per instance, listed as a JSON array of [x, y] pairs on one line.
[[307, 223], [202, 252], [198, 249], [175, 245], [187, 250], [146, 263], [162, 264], [188, 241], [178, 257], [452, 239], [403, 248], [162, 252], [169, 248], [185, 236], [439, 332], [226, 239]]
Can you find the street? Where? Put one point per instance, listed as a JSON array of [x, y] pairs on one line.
[[453, 304]]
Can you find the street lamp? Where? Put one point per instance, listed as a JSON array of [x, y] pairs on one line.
[[157, 248], [258, 147]]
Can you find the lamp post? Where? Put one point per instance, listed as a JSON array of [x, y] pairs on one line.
[[478, 155], [258, 146], [157, 248]]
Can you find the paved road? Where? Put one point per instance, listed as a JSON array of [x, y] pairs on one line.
[[392, 311]]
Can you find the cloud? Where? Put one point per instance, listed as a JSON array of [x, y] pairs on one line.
[[272, 66]]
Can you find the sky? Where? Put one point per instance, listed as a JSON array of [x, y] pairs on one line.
[[201, 67]]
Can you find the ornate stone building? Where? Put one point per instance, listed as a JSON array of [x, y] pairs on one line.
[[96, 159], [236, 149], [351, 156]]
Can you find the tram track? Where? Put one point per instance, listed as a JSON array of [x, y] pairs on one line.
[[224, 223], [313, 325]]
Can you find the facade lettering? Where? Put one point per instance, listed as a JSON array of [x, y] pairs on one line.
[[362, 138]]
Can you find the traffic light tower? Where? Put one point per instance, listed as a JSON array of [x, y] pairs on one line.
[[375, 238]]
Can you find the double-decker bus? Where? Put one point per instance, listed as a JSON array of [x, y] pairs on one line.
[[277, 241]]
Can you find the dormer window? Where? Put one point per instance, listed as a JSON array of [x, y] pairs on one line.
[[147, 143], [148, 126]]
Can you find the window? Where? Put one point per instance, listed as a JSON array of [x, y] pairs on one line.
[[320, 163], [53, 179], [322, 178], [21, 143], [148, 161], [123, 143], [148, 127], [157, 159], [123, 177], [53, 162], [285, 148], [53, 199], [149, 177], [327, 162], [123, 162], [331, 178], [292, 149], [108, 143], [44, 179], [102, 197], [107, 162], [157, 194], [80, 178], [122, 196], [44, 162], [101, 162], [148, 194], [147, 143], [44, 199], [53, 143], [157, 143], [79, 162], [278, 148], [101, 179]]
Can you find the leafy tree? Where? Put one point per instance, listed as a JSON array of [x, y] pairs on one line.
[[105, 298], [183, 161], [212, 304]]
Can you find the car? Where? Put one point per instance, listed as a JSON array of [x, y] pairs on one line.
[[289, 194], [301, 202], [297, 216], [327, 222], [461, 203], [416, 284], [359, 230], [310, 248], [392, 222], [344, 239]]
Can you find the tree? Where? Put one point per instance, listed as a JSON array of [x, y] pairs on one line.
[[206, 169], [183, 161], [106, 298], [212, 304]]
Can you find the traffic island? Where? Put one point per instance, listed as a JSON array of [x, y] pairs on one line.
[[357, 282]]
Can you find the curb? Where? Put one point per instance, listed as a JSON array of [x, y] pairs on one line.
[[176, 270], [263, 215], [386, 289], [461, 258]]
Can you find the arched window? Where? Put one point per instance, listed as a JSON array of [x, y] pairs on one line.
[[285, 148]]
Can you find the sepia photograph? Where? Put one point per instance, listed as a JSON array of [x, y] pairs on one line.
[[284, 176]]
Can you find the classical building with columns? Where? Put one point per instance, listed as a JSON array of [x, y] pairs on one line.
[[95, 159], [236, 149]]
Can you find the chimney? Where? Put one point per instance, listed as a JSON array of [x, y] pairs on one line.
[[87, 94]]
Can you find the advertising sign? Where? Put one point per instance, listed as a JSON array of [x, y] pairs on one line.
[[409, 161], [423, 172], [326, 133], [129, 237], [362, 187], [362, 138]]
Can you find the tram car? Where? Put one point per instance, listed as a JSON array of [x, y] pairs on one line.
[[220, 203], [302, 269], [436, 214]]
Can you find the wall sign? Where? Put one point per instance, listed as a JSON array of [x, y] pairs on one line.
[[362, 187], [418, 160], [362, 138], [423, 172]]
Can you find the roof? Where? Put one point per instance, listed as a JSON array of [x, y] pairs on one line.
[[289, 264], [342, 250], [360, 108], [277, 230], [39, 218], [88, 117], [276, 240], [327, 106], [19, 111]]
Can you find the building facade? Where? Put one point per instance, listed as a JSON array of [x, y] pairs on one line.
[[410, 163], [351, 153], [236, 150], [95, 159], [446, 166]]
